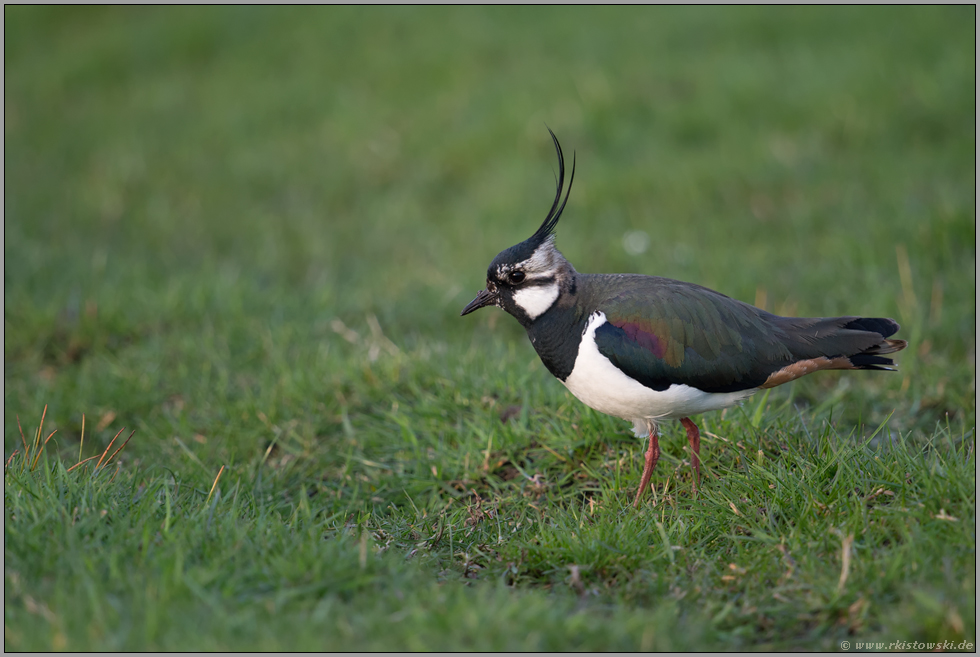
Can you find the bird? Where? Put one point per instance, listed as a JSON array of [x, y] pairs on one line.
[[649, 349]]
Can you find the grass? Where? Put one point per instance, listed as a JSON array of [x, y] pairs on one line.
[[247, 233]]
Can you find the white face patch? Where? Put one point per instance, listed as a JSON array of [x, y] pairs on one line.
[[536, 299]]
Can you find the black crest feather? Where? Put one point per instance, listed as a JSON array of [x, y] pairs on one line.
[[547, 227]]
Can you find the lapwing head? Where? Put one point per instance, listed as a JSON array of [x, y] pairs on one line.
[[527, 279]]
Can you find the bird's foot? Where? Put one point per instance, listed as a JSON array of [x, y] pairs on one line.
[[653, 453]]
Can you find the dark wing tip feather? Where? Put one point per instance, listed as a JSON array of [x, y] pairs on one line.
[[883, 326], [547, 227]]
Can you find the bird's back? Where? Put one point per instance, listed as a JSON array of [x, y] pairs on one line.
[[662, 331]]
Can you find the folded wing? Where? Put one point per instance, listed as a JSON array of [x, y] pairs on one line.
[[661, 332]]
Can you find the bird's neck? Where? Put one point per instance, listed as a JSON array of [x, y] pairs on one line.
[[555, 334]]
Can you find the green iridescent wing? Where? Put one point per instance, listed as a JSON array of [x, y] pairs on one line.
[[662, 332]]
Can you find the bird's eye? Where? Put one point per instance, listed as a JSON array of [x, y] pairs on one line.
[[517, 277]]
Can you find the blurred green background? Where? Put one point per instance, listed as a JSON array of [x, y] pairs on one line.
[[173, 171], [170, 169], [222, 221]]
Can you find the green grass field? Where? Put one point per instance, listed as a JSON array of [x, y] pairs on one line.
[[247, 233]]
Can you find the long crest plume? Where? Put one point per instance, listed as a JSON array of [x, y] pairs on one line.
[[547, 227]]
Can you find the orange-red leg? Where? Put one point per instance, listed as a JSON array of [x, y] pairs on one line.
[[653, 453], [694, 437]]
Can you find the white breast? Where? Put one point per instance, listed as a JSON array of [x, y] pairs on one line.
[[603, 386]]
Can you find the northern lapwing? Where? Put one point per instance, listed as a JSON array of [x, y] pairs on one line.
[[648, 349]]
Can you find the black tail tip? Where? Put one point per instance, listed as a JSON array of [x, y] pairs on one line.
[[872, 362]]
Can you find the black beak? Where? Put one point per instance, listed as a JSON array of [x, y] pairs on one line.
[[484, 298]]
